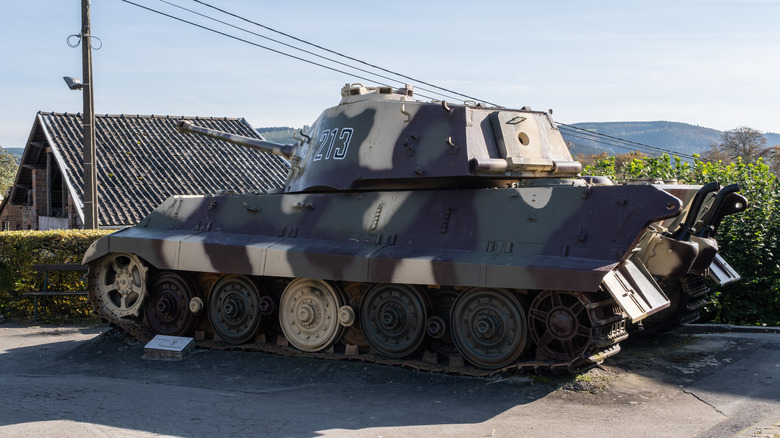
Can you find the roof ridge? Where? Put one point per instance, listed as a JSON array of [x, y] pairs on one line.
[[169, 116], [145, 116]]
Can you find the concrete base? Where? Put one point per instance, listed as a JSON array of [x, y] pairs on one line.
[[168, 347]]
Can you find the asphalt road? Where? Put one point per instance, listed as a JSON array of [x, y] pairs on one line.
[[79, 381]]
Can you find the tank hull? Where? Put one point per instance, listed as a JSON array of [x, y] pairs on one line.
[[556, 237], [542, 249]]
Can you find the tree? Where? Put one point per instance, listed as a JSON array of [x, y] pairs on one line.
[[773, 160], [714, 155], [605, 165], [744, 142], [621, 160], [8, 168]]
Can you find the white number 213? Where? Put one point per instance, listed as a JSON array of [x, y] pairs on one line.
[[328, 140]]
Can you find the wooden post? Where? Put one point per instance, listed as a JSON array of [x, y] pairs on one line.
[[88, 119]]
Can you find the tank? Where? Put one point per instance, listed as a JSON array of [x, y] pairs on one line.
[[447, 237]]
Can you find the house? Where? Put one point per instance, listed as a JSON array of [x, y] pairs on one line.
[[141, 161]]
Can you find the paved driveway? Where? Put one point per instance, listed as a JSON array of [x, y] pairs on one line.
[[78, 381]]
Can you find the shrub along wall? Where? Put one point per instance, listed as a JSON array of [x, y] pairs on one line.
[[20, 250], [748, 241]]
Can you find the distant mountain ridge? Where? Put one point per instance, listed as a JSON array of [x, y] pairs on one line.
[[680, 137], [282, 135], [16, 152], [675, 136]]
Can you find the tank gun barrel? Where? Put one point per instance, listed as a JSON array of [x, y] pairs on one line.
[[284, 150]]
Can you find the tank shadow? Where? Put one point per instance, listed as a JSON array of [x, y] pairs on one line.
[[105, 381]]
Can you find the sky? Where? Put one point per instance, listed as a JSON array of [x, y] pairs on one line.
[[710, 63]]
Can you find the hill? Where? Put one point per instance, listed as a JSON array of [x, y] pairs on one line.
[[675, 136], [279, 135], [681, 137], [772, 138], [16, 152]]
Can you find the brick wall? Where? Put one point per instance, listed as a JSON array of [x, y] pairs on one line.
[[74, 222], [12, 217], [39, 199], [26, 217]]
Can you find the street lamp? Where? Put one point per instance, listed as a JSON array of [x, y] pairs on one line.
[[88, 118], [73, 83]]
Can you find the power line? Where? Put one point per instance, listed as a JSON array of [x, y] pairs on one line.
[[343, 55], [597, 137], [572, 134], [601, 139], [260, 45], [245, 41], [570, 130], [308, 52]]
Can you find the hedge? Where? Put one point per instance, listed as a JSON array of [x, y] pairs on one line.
[[20, 250], [748, 241]]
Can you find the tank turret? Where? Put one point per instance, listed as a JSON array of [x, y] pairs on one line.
[[456, 237], [381, 138]]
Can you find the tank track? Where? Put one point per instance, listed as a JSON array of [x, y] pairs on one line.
[[690, 293], [606, 335], [695, 292]]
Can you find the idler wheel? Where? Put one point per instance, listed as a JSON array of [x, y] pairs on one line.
[[354, 334], [560, 323], [120, 284], [309, 314], [393, 318], [167, 308], [489, 327], [234, 308], [440, 335]]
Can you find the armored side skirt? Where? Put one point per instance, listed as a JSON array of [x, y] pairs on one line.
[[558, 237]]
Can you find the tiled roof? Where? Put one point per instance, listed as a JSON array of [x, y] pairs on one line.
[[142, 160]]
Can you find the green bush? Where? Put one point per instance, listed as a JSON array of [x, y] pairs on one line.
[[20, 250], [748, 241]]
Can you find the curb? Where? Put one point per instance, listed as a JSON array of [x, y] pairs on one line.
[[694, 329]]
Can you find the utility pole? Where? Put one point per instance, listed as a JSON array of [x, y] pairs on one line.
[[88, 119]]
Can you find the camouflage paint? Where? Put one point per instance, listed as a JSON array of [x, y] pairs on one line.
[[563, 241], [386, 189]]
